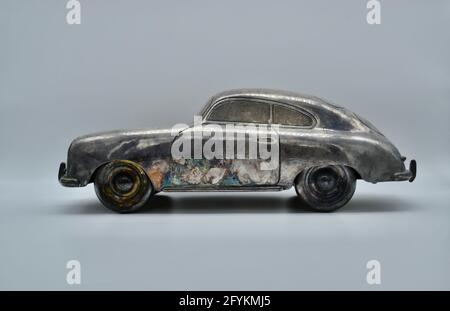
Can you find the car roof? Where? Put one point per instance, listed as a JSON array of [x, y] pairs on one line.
[[327, 115], [287, 97]]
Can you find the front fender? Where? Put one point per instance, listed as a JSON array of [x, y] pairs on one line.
[[87, 153]]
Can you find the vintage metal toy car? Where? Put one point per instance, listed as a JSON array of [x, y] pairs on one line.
[[320, 148]]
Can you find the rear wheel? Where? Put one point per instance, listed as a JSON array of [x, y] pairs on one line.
[[326, 188], [122, 186]]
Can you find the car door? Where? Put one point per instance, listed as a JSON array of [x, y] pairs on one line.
[[245, 149], [251, 143]]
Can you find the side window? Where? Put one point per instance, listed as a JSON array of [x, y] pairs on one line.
[[239, 110], [287, 116]]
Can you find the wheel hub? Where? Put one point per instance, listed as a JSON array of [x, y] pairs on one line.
[[325, 180], [122, 183]]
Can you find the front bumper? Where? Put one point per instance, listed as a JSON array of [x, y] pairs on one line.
[[409, 175], [65, 180]]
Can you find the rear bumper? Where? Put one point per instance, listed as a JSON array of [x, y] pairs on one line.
[[65, 180], [409, 174]]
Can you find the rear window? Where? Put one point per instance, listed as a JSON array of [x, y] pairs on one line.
[[287, 116]]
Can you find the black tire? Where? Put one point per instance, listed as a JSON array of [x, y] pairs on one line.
[[326, 188], [122, 186]]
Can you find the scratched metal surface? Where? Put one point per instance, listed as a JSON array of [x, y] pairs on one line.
[[336, 137]]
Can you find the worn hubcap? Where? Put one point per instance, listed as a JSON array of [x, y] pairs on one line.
[[325, 180], [326, 184], [122, 183]]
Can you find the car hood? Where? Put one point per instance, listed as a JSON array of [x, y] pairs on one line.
[[119, 141]]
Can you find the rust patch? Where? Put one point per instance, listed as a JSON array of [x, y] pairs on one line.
[[157, 172]]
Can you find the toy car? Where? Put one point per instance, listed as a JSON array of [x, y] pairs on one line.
[[317, 147]]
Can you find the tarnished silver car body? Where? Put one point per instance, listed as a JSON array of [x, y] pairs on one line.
[[336, 136]]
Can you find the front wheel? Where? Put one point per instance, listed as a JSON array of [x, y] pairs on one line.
[[122, 186], [326, 188]]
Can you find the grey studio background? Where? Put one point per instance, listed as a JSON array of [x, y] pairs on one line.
[[138, 64]]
